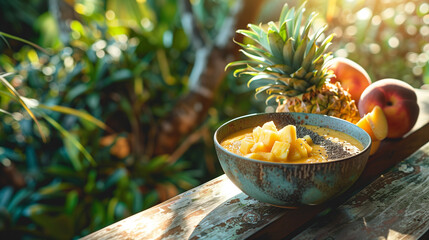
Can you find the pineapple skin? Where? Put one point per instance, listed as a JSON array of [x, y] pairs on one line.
[[330, 100]]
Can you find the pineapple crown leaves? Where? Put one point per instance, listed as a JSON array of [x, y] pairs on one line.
[[285, 57]]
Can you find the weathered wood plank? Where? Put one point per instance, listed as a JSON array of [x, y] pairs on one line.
[[394, 206], [175, 218]]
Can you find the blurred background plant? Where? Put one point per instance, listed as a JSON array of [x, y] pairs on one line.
[[118, 80]]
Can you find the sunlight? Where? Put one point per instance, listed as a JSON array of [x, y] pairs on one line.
[[364, 14], [397, 235], [33, 57], [79, 8]]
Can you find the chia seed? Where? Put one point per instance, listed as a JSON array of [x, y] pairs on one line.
[[334, 150]]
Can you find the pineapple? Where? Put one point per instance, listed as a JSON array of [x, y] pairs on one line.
[[288, 134], [260, 147], [291, 66], [280, 150], [246, 145], [276, 145], [268, 137]]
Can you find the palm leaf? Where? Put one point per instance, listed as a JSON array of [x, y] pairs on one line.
[[4, 39], [21, 101], [72, 140], [77, 113], [24, 41], [6, 112]]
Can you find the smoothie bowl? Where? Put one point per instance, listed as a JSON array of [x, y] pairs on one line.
[[292, 159]]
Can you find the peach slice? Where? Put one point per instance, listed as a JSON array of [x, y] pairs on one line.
[[374, 147], [375, 124]]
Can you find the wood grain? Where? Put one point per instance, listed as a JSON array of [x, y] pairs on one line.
[[392, 207]]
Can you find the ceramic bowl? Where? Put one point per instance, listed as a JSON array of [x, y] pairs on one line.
[[292, 184]]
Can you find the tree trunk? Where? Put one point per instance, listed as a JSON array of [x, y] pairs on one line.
[[207, 74]]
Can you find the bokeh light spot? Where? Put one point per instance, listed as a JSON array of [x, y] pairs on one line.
[[411, 29], [376, 20], [425, 48], [146, 24], [409, 7], [400, 19], [338, 32], [68, 62], [100, 53], [393, 42], [388, 13], [412, 57], [350, 47], [351, 30], [364, 14], [374, 48], [48, 70], [100, 44], [341, 53], [424, 8], [114, 51], [424, 30], [423, 58], [79, 8], [110, 15], [426, 19], [417, 71]]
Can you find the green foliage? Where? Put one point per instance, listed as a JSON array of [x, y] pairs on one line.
[[98, 101]]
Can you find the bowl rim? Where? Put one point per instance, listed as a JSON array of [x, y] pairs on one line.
[[366, 148]]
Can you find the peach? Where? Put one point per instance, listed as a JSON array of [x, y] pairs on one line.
[[375, 124], [374, 147], [351, 76], [398, 101]]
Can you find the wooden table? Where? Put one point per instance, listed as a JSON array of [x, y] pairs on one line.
[[389, 201]]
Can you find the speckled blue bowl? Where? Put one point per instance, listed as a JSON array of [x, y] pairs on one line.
[[292, 184]]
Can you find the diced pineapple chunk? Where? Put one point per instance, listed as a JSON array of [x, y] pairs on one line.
[[269, 126], [268, 137], [257, 131], [268, 144], [308, 139], [259, 147], [281, 150], [246, 145], [298, 147], [305, 144], [288, 134], [264, 156], [294, 155]]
